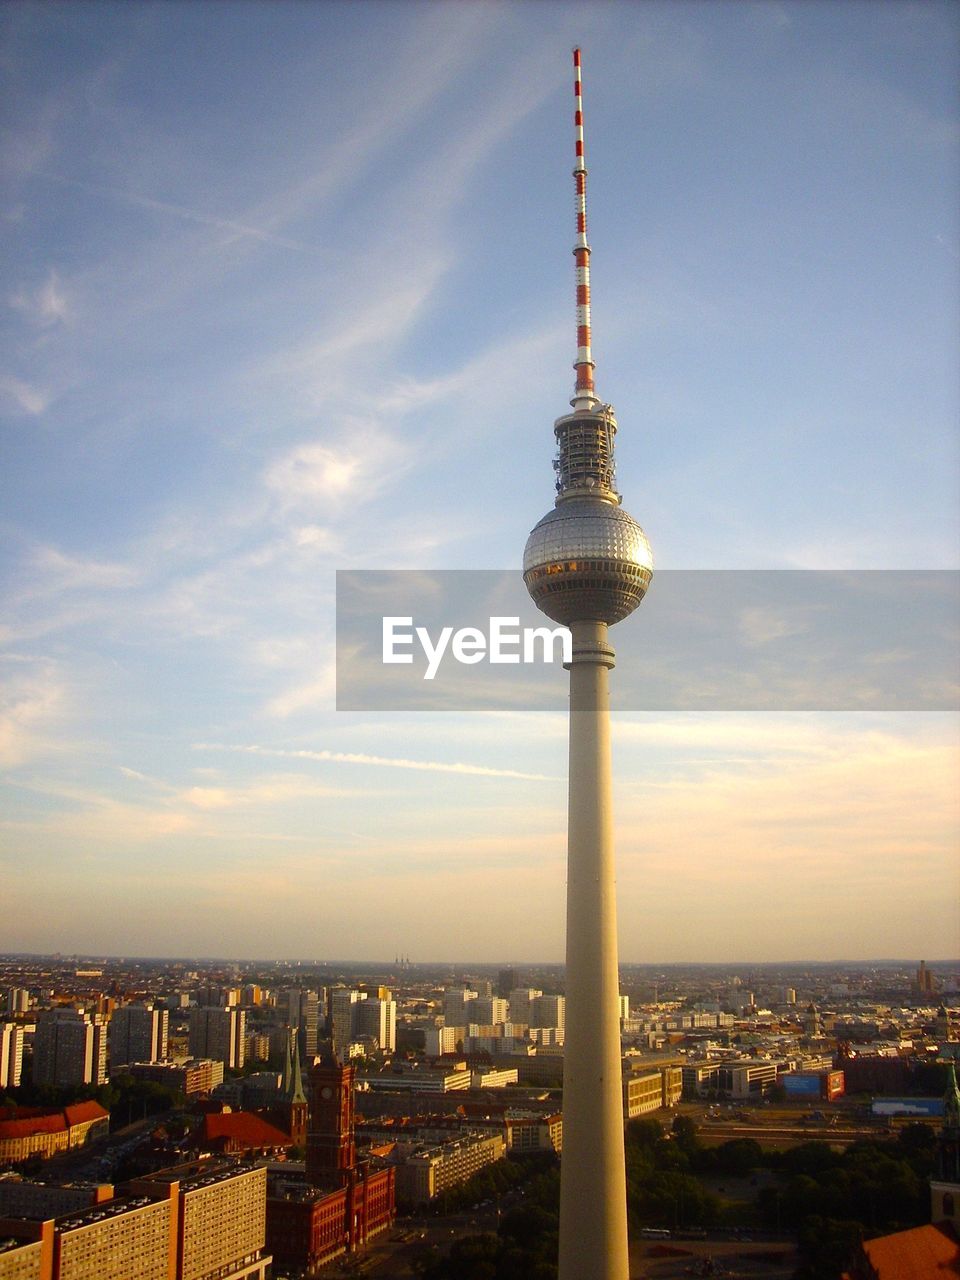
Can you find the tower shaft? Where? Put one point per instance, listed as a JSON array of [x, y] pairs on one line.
[[593, 1207]]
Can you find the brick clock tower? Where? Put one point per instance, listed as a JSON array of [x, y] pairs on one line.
[[331, 1153]]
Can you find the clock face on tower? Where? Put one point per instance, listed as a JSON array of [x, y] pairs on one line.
[[326, 1092]]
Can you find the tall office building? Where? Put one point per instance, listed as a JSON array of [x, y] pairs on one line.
[[18, 999], [300, 1010], [507, 979], [487, 1011], [519, 1004], [588, 564], [551, 1011], [456, 1006], [138, 1033], [218, 1034], [924, 984], [343, 1016], [70, 1048], [377, 1018], [11, 1054]]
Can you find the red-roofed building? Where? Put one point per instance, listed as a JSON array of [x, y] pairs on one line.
[[922, 1253], [241, 1133], [42, 1131]]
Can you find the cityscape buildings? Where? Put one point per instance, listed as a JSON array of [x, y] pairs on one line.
[[410, 1125], [588, 564]]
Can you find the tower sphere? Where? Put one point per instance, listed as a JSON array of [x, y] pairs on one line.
[[587, 560]]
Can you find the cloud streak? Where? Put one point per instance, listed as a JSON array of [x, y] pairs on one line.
[[380, 762]]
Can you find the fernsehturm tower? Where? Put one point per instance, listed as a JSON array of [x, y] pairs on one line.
[[587, 564]]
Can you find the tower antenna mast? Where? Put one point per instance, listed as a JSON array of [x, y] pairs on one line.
[[584, 396]]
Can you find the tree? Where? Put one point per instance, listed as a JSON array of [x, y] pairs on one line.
[[643, 1132], [685, 1132], [738, 1157], [826, 1246]]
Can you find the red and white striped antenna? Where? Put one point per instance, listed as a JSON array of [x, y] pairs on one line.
[[584, 394]]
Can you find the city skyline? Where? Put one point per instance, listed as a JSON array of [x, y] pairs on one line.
[[254, 336]]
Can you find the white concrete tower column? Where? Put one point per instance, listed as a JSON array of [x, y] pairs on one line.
[[593, 1209]]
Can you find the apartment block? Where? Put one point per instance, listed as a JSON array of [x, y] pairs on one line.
[[11, 1054], [42, 1131], [197, 1222], [219, 1034], [548, 1011], [377, 1018], [21, 1198], [457, 1002], [489, 1010], [440, 1040], [300, 1009], [534, 1133], [519, 1003], [426, 1174], [70, 1048], [188, 1075], [138, 1033]]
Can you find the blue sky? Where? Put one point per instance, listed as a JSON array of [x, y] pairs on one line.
[[288, 288]]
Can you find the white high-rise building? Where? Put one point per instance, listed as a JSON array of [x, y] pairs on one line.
[[11, 1054], [343, 1016], [300, 1009], [519, 1002], [455, 1006], [138, 1033], [548, 1011], [440, 1040], [377, 1017], [70, 1048], [18, 1000], [487, 1011]]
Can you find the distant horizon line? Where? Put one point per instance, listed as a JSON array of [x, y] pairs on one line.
[[881, 961]]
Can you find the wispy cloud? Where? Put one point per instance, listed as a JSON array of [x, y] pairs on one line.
[[362, 461], [380, 762], [45, 305], [75, 573], [313, 692], [235, 228], [27, 398], [33, 699]]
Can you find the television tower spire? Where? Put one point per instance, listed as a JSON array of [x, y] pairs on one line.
[[588, 564], [583, 396]]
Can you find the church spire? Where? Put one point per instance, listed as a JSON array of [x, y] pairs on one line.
[[294, 1092]]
